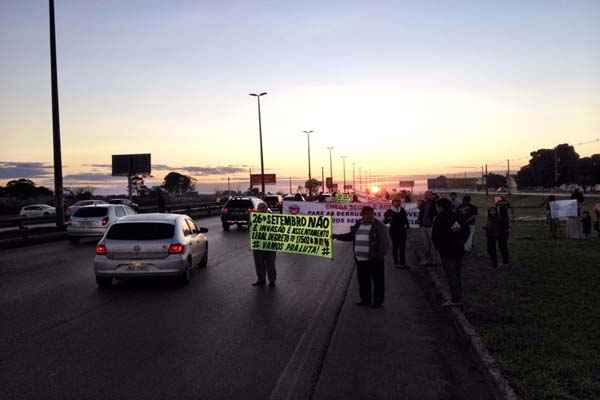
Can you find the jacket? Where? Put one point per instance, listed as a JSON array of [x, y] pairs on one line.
[[398, 221], [447, 241], [378, 239]]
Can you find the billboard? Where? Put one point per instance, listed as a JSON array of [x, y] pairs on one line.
[[407, 184], [270, 179], [131, 164], [328, 182]]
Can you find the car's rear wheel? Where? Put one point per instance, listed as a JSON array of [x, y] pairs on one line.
[[46, 214], [204, 261], [186, 276], [104, 281], [74, 240], [225, 226]]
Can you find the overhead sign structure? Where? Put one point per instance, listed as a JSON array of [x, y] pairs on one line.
[[345, 215], [328, 182], [310, 235], [270, 179], [407, 184], [131, 164], [563, 208]]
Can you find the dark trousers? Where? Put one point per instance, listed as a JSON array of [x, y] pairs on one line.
[[502, 243], [264, 261], [452, 266], [399, 248], [367, 271]]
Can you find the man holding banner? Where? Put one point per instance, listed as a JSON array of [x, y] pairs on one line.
[[264, 260], [370, 238]]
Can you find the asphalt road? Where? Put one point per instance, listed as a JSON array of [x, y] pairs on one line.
[[217, 338]]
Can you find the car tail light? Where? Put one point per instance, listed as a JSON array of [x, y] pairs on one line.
[[251, 209], [104, 221], [101, 250], [225, 210], [176, 248]]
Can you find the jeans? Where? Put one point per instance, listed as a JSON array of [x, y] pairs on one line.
[[367, 271], [469, 241], [502, 242], [452, 266], [264, 261]]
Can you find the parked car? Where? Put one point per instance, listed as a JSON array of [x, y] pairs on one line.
[[82, 203], [294, 197], [92, 221], [237, 211], [274, 201], [37, 210], [150, 245], [125, 202]]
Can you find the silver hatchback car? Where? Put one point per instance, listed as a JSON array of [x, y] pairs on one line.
[[150, 245], [92, 221]]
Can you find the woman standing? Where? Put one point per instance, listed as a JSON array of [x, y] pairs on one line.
[[497, 236]]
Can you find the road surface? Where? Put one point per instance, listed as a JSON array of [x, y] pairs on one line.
[[217, 338]]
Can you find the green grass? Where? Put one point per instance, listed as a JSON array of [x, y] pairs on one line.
[[541, 318]]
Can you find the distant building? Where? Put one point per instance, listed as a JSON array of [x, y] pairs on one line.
[[444, 183]]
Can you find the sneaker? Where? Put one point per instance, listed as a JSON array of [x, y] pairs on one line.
[[259, 283], [449, 303], [271, 284], [362, 303], [377, 305]]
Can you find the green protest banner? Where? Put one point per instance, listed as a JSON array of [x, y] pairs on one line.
[[301, 234], [343, 198]]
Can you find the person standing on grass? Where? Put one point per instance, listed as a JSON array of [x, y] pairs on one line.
[[455, 202], [467, 216], [264, 261], [397, 218], [370, 238], [496, 237], [427, 213], [449, 239], [597, 212], [552, 222], [586, 224]]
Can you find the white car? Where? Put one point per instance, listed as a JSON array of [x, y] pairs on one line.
[[82, 203], [37, 210], [150, 245], [92, 221]]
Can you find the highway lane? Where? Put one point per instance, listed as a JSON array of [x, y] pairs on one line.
[[217, 338]]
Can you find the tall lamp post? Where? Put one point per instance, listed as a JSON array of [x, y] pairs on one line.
[[58, 177], [344, 167], [262, 163], [330, 148], [309, 172]]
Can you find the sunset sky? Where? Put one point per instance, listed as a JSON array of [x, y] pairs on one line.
[[398, 87]]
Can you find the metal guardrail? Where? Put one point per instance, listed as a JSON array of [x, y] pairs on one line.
[[191, 209]]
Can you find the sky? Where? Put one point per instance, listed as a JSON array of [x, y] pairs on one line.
[[399, 87]]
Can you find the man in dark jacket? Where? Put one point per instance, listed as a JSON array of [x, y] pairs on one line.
[[449, 237], [427, 213], [370, 239], [397, 218]]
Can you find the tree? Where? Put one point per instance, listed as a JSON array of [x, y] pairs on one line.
[[25, 188], [550, 167], [178, 183], [495, 181]]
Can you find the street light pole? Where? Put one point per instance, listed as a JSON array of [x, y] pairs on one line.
[[58, 177], [354, 177], [309, 171], [262, 163], [344, 167], [330, 148]]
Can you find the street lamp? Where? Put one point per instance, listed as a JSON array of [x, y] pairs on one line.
[[330, 148], [58, 177], [344, 167], [262, 163], [309, 172]]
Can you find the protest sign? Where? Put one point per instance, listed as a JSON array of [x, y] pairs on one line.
[[301, 234], [563, 208], [343, 197], [344, 215]]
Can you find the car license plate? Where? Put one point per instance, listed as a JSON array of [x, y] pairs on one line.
[[136, 266]]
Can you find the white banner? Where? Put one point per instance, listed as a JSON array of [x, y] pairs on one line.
[[346, 214], [563, 208]]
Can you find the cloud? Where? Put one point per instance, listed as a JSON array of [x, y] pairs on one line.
[[213, 170], [13, 170], [98, 165], [92, 177], [161, 167]]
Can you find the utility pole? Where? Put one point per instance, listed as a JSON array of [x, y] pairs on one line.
[[344, 167], [262, 164], [487, 190], [353, 177], [58, 177], [323, 179], [330, 148], [507, 170], [360, 178], [228, 186], [290, 185], [309, 172]]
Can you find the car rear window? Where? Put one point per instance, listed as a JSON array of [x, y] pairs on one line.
[[239, 204], [141, 231], [91, 212]]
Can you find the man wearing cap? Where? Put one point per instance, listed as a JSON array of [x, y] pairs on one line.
[[370, 240]]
